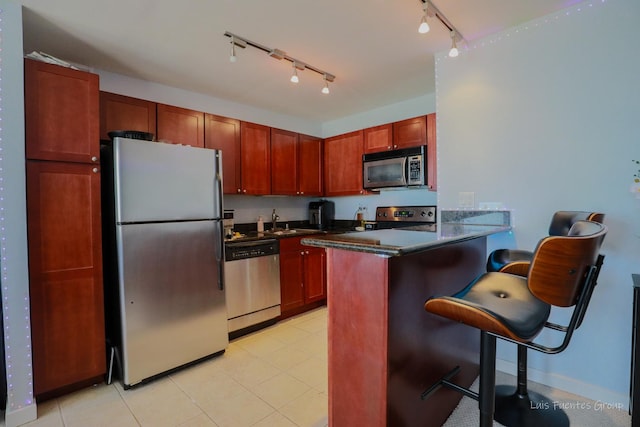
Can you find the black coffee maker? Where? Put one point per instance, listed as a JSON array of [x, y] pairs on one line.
[[321, 214]]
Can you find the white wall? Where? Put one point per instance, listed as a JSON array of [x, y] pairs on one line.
[[544, 117], [14, 278]]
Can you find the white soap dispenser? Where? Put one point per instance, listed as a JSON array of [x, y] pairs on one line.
[[260, 225]]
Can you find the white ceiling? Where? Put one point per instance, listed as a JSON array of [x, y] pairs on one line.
[[371, 46]]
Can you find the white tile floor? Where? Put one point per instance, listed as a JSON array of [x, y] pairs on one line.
[[276, 377]]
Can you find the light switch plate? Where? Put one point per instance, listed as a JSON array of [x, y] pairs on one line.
[[466, 199]]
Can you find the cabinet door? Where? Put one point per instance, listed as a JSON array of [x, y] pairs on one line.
[[284, 162], [223, 133], [378, 138], [309, 165], [180, 126], [343, 164], [431, 152], [255, 141], [119, 112], [315, 281], [61, 113], [65, 274], [410, 132], [291, 280]]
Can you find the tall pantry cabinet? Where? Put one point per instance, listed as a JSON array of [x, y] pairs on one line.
[[63, 225]]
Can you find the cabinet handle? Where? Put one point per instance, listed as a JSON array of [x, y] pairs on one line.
[[302, 192], [239, 190], [94, 159], [95, 170], [302, 253]]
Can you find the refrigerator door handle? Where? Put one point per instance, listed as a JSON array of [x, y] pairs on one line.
[[218, 184], [220, 254], [221, 272]]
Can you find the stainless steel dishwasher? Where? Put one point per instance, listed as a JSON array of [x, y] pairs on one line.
[[252, 278]]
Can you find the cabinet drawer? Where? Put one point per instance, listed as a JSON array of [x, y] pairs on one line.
[[291, 244]]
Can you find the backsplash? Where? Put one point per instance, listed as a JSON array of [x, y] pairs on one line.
[[481, 217]]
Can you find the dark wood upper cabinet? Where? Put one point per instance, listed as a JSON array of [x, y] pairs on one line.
[[180, 126], [343, 164], [284, 162], [378, 138], [61, 113], [410, 132], [310, 165], [119, 112], [255, 152], [223, 133]]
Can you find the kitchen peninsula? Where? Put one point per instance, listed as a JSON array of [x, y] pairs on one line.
[[384, 349]]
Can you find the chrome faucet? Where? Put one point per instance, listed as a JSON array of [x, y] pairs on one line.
[[274, 218]]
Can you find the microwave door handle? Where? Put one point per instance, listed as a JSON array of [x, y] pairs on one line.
[[405, 168]]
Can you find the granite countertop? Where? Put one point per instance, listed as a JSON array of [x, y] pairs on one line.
[[398, 242], [248, 232]]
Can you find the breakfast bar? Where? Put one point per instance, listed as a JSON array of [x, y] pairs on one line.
[[384, 349]]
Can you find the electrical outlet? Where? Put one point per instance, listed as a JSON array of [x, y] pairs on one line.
[[491, 205]]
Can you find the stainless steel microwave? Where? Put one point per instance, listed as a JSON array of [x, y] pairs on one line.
[[396, 168]]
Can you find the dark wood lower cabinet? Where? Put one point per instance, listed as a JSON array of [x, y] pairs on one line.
[[65, 269], [303, 280]]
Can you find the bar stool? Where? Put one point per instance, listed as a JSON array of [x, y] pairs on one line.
[[512, 405], [563, 273]]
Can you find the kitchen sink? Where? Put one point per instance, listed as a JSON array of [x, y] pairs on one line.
[[280, 231]]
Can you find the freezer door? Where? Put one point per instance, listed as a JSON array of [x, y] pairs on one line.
[[171, 294], [162, 182]]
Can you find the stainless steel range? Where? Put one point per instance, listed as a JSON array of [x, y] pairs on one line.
[[418, 217]]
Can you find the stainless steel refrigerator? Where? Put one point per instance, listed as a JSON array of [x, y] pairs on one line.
[[164, 278]]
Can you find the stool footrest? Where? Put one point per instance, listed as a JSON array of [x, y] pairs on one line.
[[446, 382]]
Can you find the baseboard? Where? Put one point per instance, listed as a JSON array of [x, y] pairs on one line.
[[570, 385], [20, 416]]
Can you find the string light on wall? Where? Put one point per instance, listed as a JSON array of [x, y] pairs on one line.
[[430, 11], [296, 64]]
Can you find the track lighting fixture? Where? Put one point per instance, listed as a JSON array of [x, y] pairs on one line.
[[424, 26], [453, 52], [237, 41], [431, 11]]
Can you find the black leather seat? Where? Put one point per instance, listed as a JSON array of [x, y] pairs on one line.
[[517, 261], [563, 273]]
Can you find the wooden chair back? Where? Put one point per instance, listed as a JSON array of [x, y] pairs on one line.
[[560, 264]]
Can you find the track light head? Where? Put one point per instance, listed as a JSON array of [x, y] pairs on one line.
[[325, 89], [424, 26], [233, 57], [236, 42], [294, 76], [453, 52]]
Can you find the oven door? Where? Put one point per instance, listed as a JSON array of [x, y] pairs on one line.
[[385, 173]]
